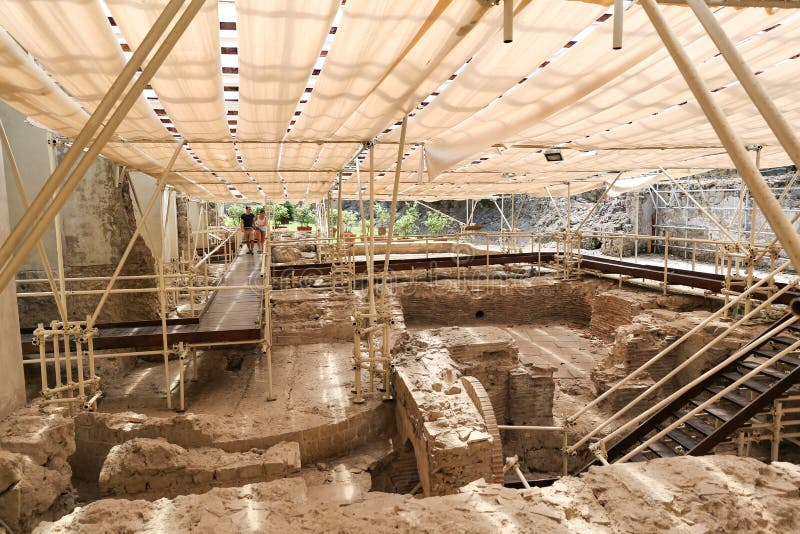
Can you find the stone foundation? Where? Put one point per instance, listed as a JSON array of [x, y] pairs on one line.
[[35, 477], [153, 468]]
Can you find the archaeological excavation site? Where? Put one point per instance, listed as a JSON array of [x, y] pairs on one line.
[[452, 266]]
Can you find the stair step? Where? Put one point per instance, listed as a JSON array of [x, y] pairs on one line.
[[733, 376], [767, 353], [766, 371], [697, 423], [784, 340], [680, 437], [662, 450], [720, 413], [731, 396]]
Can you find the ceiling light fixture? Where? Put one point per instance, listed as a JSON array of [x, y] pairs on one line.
[[553, 154]]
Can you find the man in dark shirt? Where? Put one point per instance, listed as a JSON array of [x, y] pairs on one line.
[[248, 229]]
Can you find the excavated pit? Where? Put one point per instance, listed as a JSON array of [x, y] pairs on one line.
[[469, 356]]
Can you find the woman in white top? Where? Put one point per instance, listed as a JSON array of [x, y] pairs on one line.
[[261, 223]]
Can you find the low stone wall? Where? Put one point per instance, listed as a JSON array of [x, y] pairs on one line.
[[617, 307], [649, 333], [97, 433], [35, 477], [154, 468], [302, 316]]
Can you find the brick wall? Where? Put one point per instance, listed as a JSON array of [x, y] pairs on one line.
[[483, 403], [446, 303]]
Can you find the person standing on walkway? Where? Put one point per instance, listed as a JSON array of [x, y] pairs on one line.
[[247, 219], [261, 229]]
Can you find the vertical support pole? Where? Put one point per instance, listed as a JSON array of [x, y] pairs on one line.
[[181, 388], [79, 366], [357, 360], [565, 452], [59, 231], [56, 356], [67, 355], [777, 415], [636, 227], [666, 259], [39, 332], [618, 18], [508, 21], [162, 300], [90, 351], [387, 343], [267, 291]]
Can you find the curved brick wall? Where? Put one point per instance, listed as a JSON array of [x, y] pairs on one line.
[[480, 397]]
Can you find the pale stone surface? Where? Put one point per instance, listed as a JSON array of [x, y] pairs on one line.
[[153, 468], [686, 494], [35, 477]]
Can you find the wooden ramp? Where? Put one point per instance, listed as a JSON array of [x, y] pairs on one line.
[[231, 315]]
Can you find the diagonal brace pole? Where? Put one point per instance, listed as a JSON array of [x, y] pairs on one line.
[[733, 144], [51, 198]]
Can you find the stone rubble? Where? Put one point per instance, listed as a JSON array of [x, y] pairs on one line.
[[685, 494], [35, 477]]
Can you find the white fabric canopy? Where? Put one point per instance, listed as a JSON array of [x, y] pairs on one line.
[[274, 98]]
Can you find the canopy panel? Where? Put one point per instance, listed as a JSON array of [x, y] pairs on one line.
[[272, 99]]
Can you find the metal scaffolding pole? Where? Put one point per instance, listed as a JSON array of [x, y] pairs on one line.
[[93, 136]]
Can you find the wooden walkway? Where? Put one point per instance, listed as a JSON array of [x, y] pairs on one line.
[[230, 315]]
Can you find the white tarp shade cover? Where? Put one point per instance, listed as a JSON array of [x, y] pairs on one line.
[[277, 106]]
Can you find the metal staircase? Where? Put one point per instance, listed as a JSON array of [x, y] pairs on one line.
[[723, 407]]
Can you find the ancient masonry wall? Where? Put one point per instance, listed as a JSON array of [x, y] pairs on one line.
[[301, 316], [97, 433], [483, 403], [150, 469], [446, 303], [35, 476], [98, 222], [448, 435]]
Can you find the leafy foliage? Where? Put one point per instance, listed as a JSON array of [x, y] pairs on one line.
[[349, 220], [233, 214], [304, 215], [280, 214], [381, 215], [408, 223], [436, 223]]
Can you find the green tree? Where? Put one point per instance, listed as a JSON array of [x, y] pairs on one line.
[[233, 214], [349, 220], [408, 223], [436, 222], [304, 215], [381, 215], [280, 214], [289, 210]]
